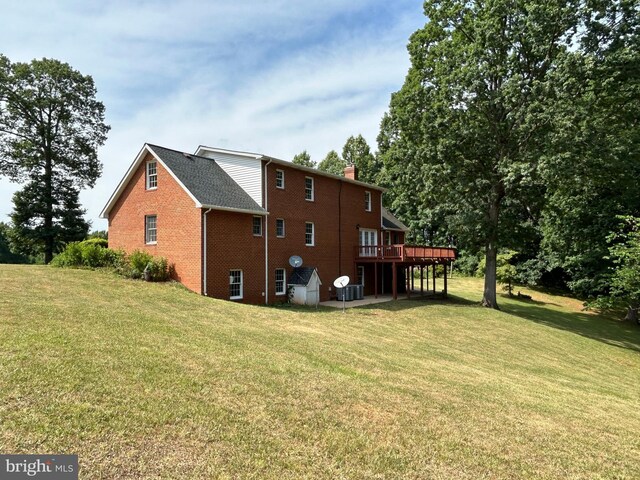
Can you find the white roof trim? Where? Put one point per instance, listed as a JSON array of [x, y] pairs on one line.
[[285, 163], [130, 172], [231, 152], [236, 210]]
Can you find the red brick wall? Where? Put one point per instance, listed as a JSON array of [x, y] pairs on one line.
[[290, 205], [232, 246], [179, 224]]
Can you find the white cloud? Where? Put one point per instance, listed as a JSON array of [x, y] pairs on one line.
[[273, 76]]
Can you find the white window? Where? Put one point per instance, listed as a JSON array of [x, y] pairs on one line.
[[368, 242], [279, 178], [361, 275], [257, 226], [151, 229], [235, 284], [280, 227], [309, 234], [152, 175], [280, 281], [367, 201], [308, 189]]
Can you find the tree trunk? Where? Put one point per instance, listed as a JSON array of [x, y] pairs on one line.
[[491, 252], [632, 315], [48, 215], [489, 297]]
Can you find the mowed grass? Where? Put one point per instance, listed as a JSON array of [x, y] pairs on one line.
[[152, 381]]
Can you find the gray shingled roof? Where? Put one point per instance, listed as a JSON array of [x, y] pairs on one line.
[[390, 222], [206, 180], [301, 276]]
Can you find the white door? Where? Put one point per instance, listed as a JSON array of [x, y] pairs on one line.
[[368, 242]]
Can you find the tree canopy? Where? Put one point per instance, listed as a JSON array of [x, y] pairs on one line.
[[304, 159], [356, 151], [483, 122], [332, 163], [51, 126]]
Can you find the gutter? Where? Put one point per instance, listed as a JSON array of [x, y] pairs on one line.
[[266, 235], [206, 247]]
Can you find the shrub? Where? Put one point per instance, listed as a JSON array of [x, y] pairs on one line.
[[101, 242], [159, 269], [71, 256], [93, 256], [138, 261]]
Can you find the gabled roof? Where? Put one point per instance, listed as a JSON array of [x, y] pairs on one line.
[[315, 171], [390, 222], [202, 178], [301, 276]]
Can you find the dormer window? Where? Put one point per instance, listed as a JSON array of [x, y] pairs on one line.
[[152, 175]]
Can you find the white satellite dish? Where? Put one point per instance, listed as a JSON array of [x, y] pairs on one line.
[[341, 282], [295, 261]]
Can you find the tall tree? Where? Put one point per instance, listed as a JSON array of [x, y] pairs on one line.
[[471, 120], [7, 253], [51, 126], [332, 163], [593, 178], [304, 159], [356, 152]]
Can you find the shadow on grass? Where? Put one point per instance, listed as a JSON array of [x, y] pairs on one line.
[[596, 327]]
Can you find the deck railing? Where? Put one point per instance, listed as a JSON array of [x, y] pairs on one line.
[[403, 253]]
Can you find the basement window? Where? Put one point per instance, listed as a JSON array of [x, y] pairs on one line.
[[152, 175], [151, 229], [235, 284]]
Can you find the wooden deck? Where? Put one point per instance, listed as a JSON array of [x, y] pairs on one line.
[[405, 254]]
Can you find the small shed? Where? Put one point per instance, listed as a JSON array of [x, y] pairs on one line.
[[305, 283]]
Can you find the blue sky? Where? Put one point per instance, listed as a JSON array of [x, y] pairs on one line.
[[271, 76]]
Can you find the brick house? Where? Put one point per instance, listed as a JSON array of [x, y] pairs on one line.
[[229, 222]]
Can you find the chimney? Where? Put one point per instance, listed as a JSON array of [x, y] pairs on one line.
[[350, 172]]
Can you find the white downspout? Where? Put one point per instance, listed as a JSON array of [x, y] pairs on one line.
[[266, 236], [206, 247]]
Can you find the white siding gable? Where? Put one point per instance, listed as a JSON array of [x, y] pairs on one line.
[[246, 171]]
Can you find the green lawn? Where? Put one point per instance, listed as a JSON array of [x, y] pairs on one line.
[[151, 381]]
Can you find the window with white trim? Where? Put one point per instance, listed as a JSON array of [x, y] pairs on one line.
[[152, 175], [257, 226], [367, 201], [308, 189], [309, 234], [280, 227], [361, 275], [281, 281], [151, 229], [280, 179], [235, 284]]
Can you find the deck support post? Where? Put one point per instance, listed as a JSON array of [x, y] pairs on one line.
[[433, 272], [421, 280], [375, 281], [412, 279], [445, 281], [407, 281], [394, 284]]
